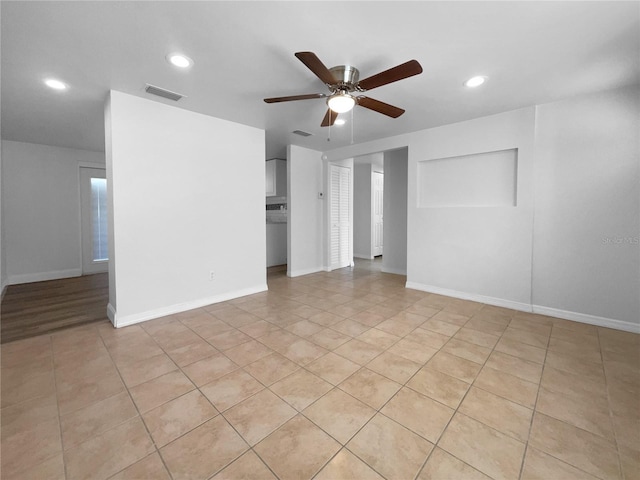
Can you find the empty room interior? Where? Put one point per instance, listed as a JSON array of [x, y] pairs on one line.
[[439, 279]]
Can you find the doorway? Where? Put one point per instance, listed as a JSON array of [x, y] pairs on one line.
[[380, 208], [93, 211], [368, 206]]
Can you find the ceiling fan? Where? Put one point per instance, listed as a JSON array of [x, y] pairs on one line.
[[343, 81]]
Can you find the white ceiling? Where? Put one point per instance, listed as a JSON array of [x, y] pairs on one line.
[[533, 52]]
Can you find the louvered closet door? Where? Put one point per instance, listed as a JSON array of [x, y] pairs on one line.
[[378, 206], [340, 221]]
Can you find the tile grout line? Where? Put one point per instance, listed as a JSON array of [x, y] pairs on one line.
[[436, 444], [398, 298], [535, 404], [569, 424], [55, 384], [220, 413], [342, 446], [157, 450], [611, 415]]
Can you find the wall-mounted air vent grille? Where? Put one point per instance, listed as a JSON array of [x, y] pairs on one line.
[[161, 92], [302, 134]]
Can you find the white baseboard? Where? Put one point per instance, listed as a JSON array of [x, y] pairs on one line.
[[43, 276], [124, 321], [304, 271], [111, 314], [362, 255], [586, 318], [525, 307], [474, 297], [396, 271]]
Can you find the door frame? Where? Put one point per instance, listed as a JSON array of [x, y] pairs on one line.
[[98, 166]]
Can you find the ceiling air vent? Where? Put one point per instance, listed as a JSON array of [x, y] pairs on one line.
[[161, 92], [301, 133]]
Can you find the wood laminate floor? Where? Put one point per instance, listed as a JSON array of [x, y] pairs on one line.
[[43, 307]]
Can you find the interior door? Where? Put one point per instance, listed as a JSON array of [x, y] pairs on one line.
[[93, 211], [340, 220], [378, 204]]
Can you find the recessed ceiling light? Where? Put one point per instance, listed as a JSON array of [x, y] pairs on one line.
[[339, 121], [55, 84], [179, 60], [475, 81]]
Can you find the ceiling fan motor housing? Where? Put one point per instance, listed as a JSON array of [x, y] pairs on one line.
[[346, 76]]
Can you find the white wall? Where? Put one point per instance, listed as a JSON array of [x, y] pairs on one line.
[[582, 156], [3, 263], [586, 253], [187, 200], [394, 258], [362, 218], [481, 250], [41, 210], [305, 222], [276, 244]]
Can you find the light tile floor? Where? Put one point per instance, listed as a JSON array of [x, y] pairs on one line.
[[341, 375]]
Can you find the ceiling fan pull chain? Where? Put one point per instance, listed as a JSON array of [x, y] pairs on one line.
[[352, 126]]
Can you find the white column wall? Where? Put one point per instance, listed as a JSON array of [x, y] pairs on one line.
[[305, 209], [362, 217], [187, 203], [394, 258], [3, 262]]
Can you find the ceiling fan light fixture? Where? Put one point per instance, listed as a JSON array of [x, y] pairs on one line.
[[341, 102]]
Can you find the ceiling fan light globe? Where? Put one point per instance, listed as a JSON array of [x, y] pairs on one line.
[[341, 103]]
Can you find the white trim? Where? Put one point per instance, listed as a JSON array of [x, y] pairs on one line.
[[363, 255], [525, 307], [111, 313], [43, 276], [102, 166], [498, 302], [124, 321], [586, 318], [304, 271], [395, 271]]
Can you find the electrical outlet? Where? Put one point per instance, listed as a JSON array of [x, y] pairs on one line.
[[211, 275]]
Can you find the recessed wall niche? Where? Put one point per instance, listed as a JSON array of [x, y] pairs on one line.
[[487, 179]]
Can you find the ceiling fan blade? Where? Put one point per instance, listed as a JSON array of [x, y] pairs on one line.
[[329, 118], [380, 107], [294, 97], [314, 64], [406, 70]]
